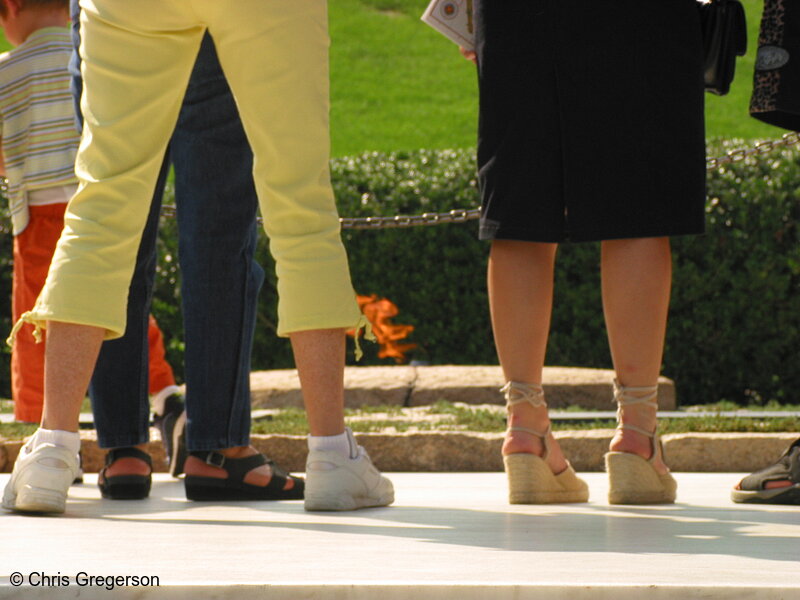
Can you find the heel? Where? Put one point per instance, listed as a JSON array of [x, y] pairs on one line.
[[530, 481], [126, 487], [634, 480], [211, 489], [40, 500], [330, 502]]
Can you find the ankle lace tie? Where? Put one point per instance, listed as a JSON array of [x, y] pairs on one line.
[[648, 397], [516, 393]]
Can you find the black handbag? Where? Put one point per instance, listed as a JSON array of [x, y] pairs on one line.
[[724, 38], [776, 83]]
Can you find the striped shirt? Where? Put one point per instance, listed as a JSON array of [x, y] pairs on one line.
[[37, 119]]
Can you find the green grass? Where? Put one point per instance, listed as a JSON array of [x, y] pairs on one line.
[[729, 425], [7, 406], [16, 431], [470, 418], [399, 85], [728, 406], [446, 416], [396, 84]]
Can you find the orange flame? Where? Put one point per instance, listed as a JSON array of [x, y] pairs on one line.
[[378, 312]]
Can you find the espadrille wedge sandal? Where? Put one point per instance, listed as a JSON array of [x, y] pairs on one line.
[[633, 479], [530, 480]]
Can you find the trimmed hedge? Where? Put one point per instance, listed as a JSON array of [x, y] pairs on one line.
[[735, 315]]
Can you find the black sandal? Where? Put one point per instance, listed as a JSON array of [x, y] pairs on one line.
[[125, 487], [752, 489], [234, 487]]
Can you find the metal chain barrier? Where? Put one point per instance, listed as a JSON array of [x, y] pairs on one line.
[[459, 215], [765, 147], [462, 215]]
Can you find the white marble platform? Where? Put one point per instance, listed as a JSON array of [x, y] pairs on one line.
[[448, 536]]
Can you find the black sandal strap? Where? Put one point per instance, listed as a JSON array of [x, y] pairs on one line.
[[276, 470], [125, 487], [237, 468], [234, 487], [787, 468], [116, 453], [279, 478]]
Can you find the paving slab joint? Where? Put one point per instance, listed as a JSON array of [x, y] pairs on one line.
[[411, 386]]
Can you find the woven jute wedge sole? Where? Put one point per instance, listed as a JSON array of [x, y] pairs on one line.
[[634, 480], [530, 481]]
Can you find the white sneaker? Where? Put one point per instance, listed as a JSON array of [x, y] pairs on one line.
[[334, 482], [40, 479]]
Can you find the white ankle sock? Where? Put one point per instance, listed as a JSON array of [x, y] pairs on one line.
[[344, 443], [67, 439]]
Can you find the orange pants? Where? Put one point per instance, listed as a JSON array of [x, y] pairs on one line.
[[33, 250]]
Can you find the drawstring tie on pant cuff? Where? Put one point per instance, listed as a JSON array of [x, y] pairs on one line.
[[27, 317], [368, 335]]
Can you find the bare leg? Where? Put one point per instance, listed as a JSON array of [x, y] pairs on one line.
[[70, 355], [336, 478], [319, 356], [520, 283], [48, 464], [637, 275]]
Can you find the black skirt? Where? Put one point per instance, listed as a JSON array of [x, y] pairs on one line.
[[591, 119]]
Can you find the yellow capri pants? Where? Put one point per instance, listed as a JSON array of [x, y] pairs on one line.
[[137, 59]]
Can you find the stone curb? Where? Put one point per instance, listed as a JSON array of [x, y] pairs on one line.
[[480, 452], [418, 386]]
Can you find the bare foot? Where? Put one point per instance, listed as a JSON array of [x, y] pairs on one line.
[[771, 485], [260, 476], [129, 465]]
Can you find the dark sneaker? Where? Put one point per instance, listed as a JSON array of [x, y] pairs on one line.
[[172, 426], [752, 489]]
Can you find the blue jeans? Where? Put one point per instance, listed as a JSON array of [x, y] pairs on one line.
[[217, 205]]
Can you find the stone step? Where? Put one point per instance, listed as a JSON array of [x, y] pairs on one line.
[[478, 452], [423, 385]]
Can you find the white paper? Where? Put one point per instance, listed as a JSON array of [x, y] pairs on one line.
[[454, 19]]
